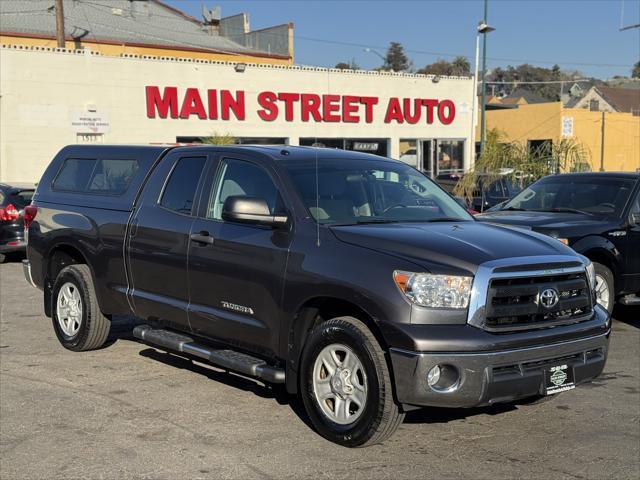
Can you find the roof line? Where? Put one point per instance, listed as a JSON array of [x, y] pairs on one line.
[[152, 45], [178, 12]]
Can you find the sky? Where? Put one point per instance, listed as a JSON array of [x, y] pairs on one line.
[[578, 35]]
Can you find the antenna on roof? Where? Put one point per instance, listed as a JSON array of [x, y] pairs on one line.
[[211, 19]]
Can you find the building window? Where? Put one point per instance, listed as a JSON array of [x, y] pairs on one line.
[[540, 148], [377, 146], [594, 105], [409, 152], [450, 156]]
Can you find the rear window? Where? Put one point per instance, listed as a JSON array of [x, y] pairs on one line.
[[99, 176], [20, 198]]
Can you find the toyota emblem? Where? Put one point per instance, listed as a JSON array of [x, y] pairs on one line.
[[549, 297]]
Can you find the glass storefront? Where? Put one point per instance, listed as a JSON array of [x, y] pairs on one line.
[[433, 156], [377, 146]]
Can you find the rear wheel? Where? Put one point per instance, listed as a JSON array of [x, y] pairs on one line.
[[346, 386], [78, 322], [605, 293]]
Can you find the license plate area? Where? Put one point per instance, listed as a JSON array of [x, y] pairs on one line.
[[559, 378]]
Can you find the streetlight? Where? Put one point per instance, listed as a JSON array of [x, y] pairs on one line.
[[483, 29], [371, 50]]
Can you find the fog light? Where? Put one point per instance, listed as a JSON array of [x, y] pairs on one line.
[[443, 378], [433, 376]]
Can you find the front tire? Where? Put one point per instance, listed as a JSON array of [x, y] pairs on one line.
[[77, 320], [346, 385], [605, 293]]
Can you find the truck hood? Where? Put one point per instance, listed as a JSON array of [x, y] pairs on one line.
[[447, 246]]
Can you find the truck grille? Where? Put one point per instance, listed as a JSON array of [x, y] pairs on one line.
[[521, 303]]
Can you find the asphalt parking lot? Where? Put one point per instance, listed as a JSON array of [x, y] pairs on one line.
[[132, 411]]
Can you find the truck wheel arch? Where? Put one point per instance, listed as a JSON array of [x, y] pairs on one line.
[[59, 257], [312, 313]]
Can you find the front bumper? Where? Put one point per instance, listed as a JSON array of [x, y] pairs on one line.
[[495, 376]]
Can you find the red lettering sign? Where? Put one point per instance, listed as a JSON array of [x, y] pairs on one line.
[[163, 104], [293, 106]]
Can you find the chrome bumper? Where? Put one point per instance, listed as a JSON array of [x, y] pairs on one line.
[[494, 377], [26, 269]]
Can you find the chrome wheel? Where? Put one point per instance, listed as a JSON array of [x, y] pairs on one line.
[[69, 309], [603, 295], [340, 384]]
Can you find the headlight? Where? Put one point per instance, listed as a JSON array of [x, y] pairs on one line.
[[591, 275], [435, 291]]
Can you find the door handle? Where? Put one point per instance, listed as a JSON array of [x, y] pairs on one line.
[[202, 237]]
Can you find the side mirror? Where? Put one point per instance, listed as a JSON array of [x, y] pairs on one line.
[[634, 218], [250, 210]]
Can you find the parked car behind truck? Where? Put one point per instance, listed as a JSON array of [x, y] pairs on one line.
[[352, 279], [13, 198], [596, 214]]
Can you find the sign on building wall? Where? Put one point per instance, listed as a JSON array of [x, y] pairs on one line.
[[90, 122], [567, 126], [213, 104]]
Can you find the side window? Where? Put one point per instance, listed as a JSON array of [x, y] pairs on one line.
[[75, 174], [112, 176], [181, 187], [238, 177], [90, 175]]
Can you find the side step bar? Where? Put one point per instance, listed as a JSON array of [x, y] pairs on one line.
[[228, 359]]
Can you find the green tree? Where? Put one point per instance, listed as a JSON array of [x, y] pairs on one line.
[[502, 158], [352, 65], [459, 67], [635, 73], [396, 60], [217, 139]]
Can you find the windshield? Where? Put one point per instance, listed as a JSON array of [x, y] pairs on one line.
[[601, 196], [360, 191]]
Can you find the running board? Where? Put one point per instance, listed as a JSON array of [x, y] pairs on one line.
[[228, 359], [630, 300]]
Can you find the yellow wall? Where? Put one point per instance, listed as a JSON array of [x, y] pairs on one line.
[[544, 121], [621, 138], [539, 121], [115, 50]]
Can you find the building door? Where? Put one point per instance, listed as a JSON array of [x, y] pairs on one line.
[[427, 160]]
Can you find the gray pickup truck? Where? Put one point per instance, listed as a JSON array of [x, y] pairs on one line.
[[354, 280]]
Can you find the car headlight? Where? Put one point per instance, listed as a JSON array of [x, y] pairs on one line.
[[435, 291], [591, 275]]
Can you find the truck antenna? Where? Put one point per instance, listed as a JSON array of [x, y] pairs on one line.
[[317, 200]]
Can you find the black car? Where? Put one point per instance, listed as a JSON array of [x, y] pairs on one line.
[[596, 214], [13, 198], [487, 193], [352, 279]]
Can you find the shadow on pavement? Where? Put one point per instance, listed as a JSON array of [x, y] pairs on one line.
[[627, 314], [232, 379]]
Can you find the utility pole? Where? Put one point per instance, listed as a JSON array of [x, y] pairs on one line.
[[484, 73], [60, 24], [602, 144]]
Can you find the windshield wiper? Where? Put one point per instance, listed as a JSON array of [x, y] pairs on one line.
[[566, 210], [447, 219], [513, 209]]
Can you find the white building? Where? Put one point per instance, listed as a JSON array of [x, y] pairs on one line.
[[50, 98]]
